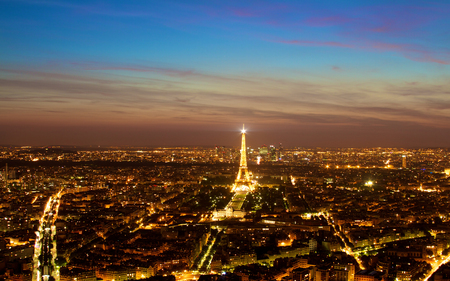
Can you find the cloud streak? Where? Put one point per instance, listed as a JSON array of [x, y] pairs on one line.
[[172, 72], [409, 51], [294, 101], [316, 43], [289, 64]]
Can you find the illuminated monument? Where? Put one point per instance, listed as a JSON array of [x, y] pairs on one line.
[[242, 185], [243, 182]]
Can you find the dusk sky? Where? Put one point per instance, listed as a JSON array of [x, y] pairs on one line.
[[153, 73]]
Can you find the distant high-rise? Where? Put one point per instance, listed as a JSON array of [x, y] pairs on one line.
[[273, 153], [404, 161], [280, 152], [6, 176], [243, 181], [263, 151]]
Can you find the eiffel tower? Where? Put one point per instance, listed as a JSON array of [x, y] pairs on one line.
[[243, 182]]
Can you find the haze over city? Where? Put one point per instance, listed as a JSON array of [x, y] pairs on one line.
[[301, 73]]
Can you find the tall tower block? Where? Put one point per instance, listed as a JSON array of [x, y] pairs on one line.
[[6, 176], [243, 181]]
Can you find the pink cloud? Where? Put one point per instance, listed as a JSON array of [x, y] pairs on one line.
[[409, 51], [388, 19], [243, 13], [398, 21], [412, 52], [387, 46], [426, 57], [328, 21]]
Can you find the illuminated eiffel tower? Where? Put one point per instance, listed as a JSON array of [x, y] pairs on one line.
[[243, 182]]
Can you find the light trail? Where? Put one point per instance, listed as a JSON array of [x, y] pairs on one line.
[[347, 249], [44, 257], [436, 265], [187, 275], [208, 251]]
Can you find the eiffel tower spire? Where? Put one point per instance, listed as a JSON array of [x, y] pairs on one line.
[[243, 181]]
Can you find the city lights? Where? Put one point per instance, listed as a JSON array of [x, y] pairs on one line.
[[205, 210], [224, 140]]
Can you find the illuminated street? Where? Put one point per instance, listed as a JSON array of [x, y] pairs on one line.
[[436, 265], [44, 266], [177, 219], [187, 275], [347, 248], [224, 140]]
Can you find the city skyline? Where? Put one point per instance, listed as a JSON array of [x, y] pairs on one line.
[[169, 73], [172, 214]]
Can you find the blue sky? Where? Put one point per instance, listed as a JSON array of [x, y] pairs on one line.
[[305, 73]]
